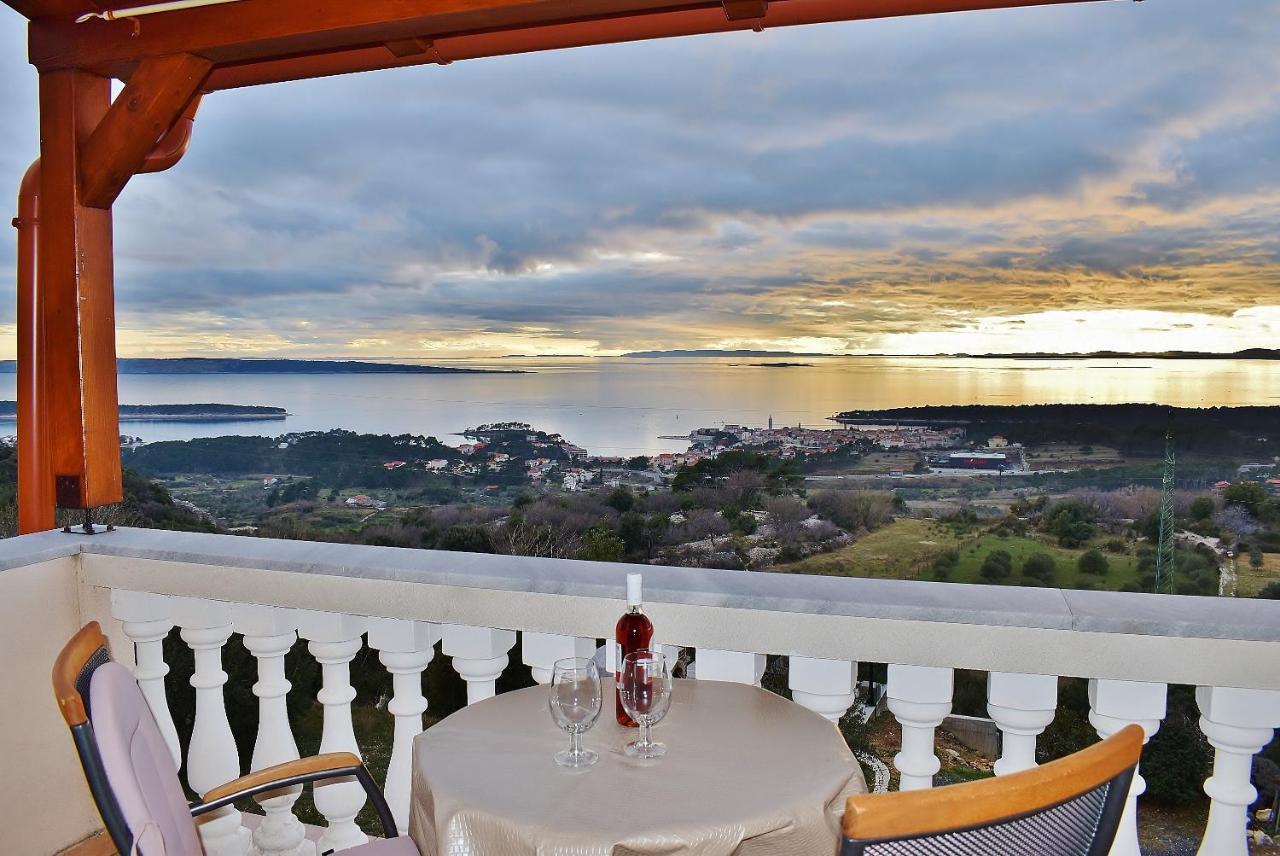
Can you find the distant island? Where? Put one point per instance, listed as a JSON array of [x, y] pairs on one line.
[[1246, 354], [776, 365], [235, 365], [718, 353], [184, 412]]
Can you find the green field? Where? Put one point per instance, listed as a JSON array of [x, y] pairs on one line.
[[906, 548], [1251, 580]]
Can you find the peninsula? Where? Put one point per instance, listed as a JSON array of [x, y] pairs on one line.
[[180, 412], [234, 365]]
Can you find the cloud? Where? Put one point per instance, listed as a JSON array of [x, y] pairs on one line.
[[982, 175]]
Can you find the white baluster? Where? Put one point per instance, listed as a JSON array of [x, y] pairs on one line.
[[334, 640], [1238, 723], [269, 634], [146, 621], [609, 657], [828, 687], [920, 698], [212, 758], [405, 648], [1112, 706], [740, 667], [1022, 706], [479, 656], [541, 650]]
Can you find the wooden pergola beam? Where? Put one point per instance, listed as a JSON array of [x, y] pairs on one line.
[[334, 34], [680, 22], [145, 110]]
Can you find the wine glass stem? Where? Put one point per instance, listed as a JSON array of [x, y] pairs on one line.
[[575, 743], [645, 732]]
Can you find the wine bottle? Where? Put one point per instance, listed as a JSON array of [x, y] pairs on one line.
[[633, 633]]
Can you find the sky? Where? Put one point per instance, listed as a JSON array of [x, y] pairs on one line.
[[1069, 178]]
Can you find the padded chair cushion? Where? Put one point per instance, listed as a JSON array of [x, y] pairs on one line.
[[400, 846], [139, 766]]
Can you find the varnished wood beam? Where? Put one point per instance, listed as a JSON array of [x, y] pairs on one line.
[[253, 30], [683, 21], [263, 31], [145, 110], [77, 304]]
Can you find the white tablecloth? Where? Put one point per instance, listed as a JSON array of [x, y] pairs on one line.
[[747, 772]]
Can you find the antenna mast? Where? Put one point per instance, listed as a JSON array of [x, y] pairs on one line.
[[1164, 547]]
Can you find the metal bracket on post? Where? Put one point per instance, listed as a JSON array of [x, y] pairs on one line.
[[87, 528]]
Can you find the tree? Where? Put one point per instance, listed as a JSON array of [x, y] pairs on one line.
[[621, 500], [1237, 519], [786, 516], [1093, 562], [599, 544], [1271, 591], [1040, 566], [1255, 557], [997, 566], [1203, 507], [1251, 495], [639, 462], [1072, 523]]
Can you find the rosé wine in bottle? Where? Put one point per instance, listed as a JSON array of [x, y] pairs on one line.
[[634, 633]]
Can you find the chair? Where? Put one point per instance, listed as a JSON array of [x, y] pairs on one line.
[[131, 772], [1069, 807]]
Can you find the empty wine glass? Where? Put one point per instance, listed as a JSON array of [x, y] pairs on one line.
[[646, 697], [575, 707]]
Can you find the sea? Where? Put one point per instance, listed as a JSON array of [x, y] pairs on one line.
[[632, 406]]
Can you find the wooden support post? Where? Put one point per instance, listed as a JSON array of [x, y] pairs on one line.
[[77, 354]]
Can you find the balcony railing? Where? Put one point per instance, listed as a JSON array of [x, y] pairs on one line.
[[142, 583]]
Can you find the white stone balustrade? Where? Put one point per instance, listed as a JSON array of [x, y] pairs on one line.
[[919, 698], [828, 687], [334, 639], [269, 635], [479, 656], [1022, 706], [140, 583], [145, 620], [406, 648], [212, 757], [1113, 705], [541, 650], [1238, 723], [737, 666]]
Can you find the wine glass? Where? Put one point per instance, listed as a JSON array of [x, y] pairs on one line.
[[646, 697], [575, 706]]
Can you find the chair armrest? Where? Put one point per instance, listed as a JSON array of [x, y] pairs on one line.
[[316, 768]]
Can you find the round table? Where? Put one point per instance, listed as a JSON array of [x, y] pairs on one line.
[[746, 772]]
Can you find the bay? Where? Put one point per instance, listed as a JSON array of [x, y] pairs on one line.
[[624, 406]]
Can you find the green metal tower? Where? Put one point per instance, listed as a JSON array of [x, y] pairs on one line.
[[1164, 548]]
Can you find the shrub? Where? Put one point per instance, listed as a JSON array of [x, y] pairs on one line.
[[997, 566], [1072, 523], [1176, 761], [1093, 562], [1203, 507], [854, 510], [1116, 545], [1040, 566], [1271, 591]]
